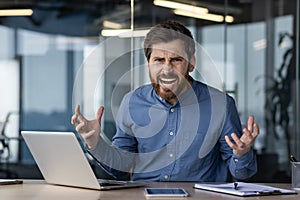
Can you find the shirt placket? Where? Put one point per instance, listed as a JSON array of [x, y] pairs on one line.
[[171, 150]]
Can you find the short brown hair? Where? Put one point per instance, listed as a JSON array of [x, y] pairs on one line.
[[167, 32]]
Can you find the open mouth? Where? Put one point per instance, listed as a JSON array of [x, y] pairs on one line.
[[168, 83]]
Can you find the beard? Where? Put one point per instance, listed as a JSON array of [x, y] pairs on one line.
[[168, 95], [170, 86]]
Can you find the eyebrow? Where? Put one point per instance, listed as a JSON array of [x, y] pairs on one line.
[[172, 57]]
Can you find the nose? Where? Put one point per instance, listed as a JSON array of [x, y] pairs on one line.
[[167, 66]]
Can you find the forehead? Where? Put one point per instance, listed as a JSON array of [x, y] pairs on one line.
[[175, 47]]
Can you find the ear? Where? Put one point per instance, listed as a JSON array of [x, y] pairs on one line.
[[192, 64], [148, 68]]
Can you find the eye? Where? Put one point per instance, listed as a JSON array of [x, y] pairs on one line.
[[158, 59], [177, 60]]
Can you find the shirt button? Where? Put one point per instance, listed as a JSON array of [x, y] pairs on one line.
[[236, 160], [166, 176], [172, 110], [171, 155], [171, 133]]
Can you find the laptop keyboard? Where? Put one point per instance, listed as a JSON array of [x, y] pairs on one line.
[[111, 182]]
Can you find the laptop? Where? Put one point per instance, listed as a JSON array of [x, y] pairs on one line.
[[62, 161]]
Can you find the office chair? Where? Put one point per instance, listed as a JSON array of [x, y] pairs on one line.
[[5, 172], [4, 144]]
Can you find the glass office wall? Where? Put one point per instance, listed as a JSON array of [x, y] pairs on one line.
[[255, 57], [9, 89]]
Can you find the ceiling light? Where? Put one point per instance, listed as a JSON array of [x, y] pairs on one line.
[[110, 24], [113, 32], [207, 16], [124, 33], [181, 6], [16, 12], [229, 19], [136, 33]]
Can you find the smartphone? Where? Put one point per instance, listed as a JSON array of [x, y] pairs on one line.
[[165, 192]]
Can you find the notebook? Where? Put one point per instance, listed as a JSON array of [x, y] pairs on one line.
[[62, 161], [243, 189]]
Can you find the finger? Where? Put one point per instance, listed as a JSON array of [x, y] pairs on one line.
[[247, 137], [246, 134], [77, 109], [78, 114], [73, 119], [100, 113], [80, 127], [88, 134], [237, 140], [250, 123], [229, 142], [255, 131]]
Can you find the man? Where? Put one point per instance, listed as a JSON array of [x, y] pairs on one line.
[[176, 128]]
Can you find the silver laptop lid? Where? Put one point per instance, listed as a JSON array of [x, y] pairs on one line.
[[60, 158]]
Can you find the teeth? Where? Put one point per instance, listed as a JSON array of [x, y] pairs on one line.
[[167, 81]]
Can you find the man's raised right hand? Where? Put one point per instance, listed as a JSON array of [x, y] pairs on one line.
[[88, 129]]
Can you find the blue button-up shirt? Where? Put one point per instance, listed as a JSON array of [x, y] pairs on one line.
[[157, 141]]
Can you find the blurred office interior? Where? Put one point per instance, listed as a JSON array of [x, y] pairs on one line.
[[61, 53]]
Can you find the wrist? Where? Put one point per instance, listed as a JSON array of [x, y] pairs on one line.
[[92, 141]]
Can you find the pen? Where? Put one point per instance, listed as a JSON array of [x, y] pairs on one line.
[[235, 185], [293, 159]]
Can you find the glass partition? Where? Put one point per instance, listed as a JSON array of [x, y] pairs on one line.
[[79, 59]]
